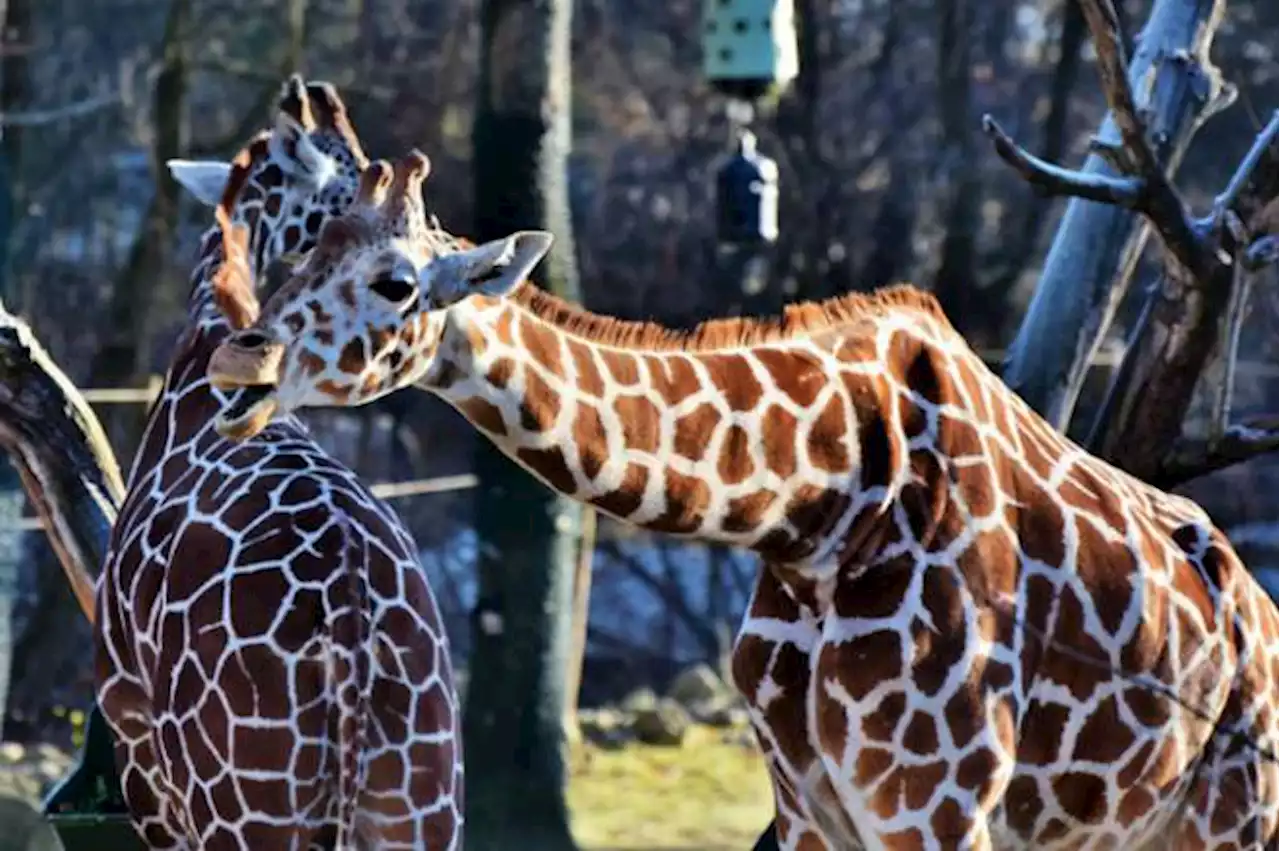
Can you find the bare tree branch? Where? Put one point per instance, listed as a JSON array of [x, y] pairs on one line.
[[41, 117], [67, 466], [1104, 29], [1262, 145], [1263, 252], [1196, 299], [1049, 179], [1172, 85], [1192, 459], [1233, 323]]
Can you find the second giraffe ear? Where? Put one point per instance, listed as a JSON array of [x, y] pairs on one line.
[[493, 269], [291, 146], [204, 179]]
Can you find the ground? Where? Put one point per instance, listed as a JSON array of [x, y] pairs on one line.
[[709, 794]]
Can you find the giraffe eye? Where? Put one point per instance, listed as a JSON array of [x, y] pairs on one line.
[[394, 290]]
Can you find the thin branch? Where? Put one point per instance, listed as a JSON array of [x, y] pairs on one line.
[[1049, 179], [1191, 459], [1237, 311], [1244, 173], [1104, 28], [41, 117], [1160, 201], [1263, 252]]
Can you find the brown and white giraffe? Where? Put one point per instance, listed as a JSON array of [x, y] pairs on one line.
[[269, 653], [967, 633]]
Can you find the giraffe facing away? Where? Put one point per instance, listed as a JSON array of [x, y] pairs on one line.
[[967, 631], [269, 655]]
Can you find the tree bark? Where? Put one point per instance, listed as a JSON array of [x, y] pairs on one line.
[[71, 477], [1180, 329], [895, 222], [1079, 290], [528, 537], [1205, 262]]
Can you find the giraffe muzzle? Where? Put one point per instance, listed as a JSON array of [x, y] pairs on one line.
[[246, 359], [248, 413], [247, 363]]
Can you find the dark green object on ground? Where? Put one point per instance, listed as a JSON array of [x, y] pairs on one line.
[[87, 808]]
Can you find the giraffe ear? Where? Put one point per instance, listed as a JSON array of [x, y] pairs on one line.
[[491, 269], [292, 146], [205, 179]]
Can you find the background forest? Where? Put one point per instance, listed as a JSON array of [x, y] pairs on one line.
[[885, 176]]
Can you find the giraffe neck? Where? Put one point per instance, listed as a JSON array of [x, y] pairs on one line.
[[203, 315], [758, 446]]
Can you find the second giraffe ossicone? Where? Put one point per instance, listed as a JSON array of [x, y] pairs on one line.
[[967, 631], [269, 654]]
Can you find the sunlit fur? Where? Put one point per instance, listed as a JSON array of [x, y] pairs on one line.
[[967, 632]]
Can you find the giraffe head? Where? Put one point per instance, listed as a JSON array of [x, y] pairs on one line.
[[364, 313], [284, 184]]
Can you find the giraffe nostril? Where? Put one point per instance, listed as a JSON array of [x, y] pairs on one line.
[[251, 340]]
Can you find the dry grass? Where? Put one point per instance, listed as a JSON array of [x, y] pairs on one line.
[[712, 794]]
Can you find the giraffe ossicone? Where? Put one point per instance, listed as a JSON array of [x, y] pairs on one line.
[[967, 631], [268, 652]]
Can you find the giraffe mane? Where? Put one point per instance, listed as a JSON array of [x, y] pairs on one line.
[[241, 166], [797, 320], [231, 282]]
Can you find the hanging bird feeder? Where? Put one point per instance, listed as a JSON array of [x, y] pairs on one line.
[[749, 55], [749, 48], [747, 195]]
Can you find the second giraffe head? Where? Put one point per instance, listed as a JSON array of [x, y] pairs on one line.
[[365, 312]]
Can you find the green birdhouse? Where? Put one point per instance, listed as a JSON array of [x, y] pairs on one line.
[[749, 48]]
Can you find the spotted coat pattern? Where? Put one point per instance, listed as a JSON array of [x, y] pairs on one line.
[[967, 632]]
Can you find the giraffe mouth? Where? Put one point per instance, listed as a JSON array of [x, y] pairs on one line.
[[248, 413]]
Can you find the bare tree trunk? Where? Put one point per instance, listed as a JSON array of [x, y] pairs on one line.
[[122, 357], [529, 538], [1140, 425], [1180, 331], [72, 479], [955, 279], [895, 221], [1076, 299]]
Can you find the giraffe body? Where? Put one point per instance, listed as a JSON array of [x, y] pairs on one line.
[[269, 653], [967, 632]]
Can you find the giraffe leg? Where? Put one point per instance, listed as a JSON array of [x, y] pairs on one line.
[[411, 796], [149, 809]]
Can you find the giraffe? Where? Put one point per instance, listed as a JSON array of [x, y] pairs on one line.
[[966, 632], [269, 654]]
